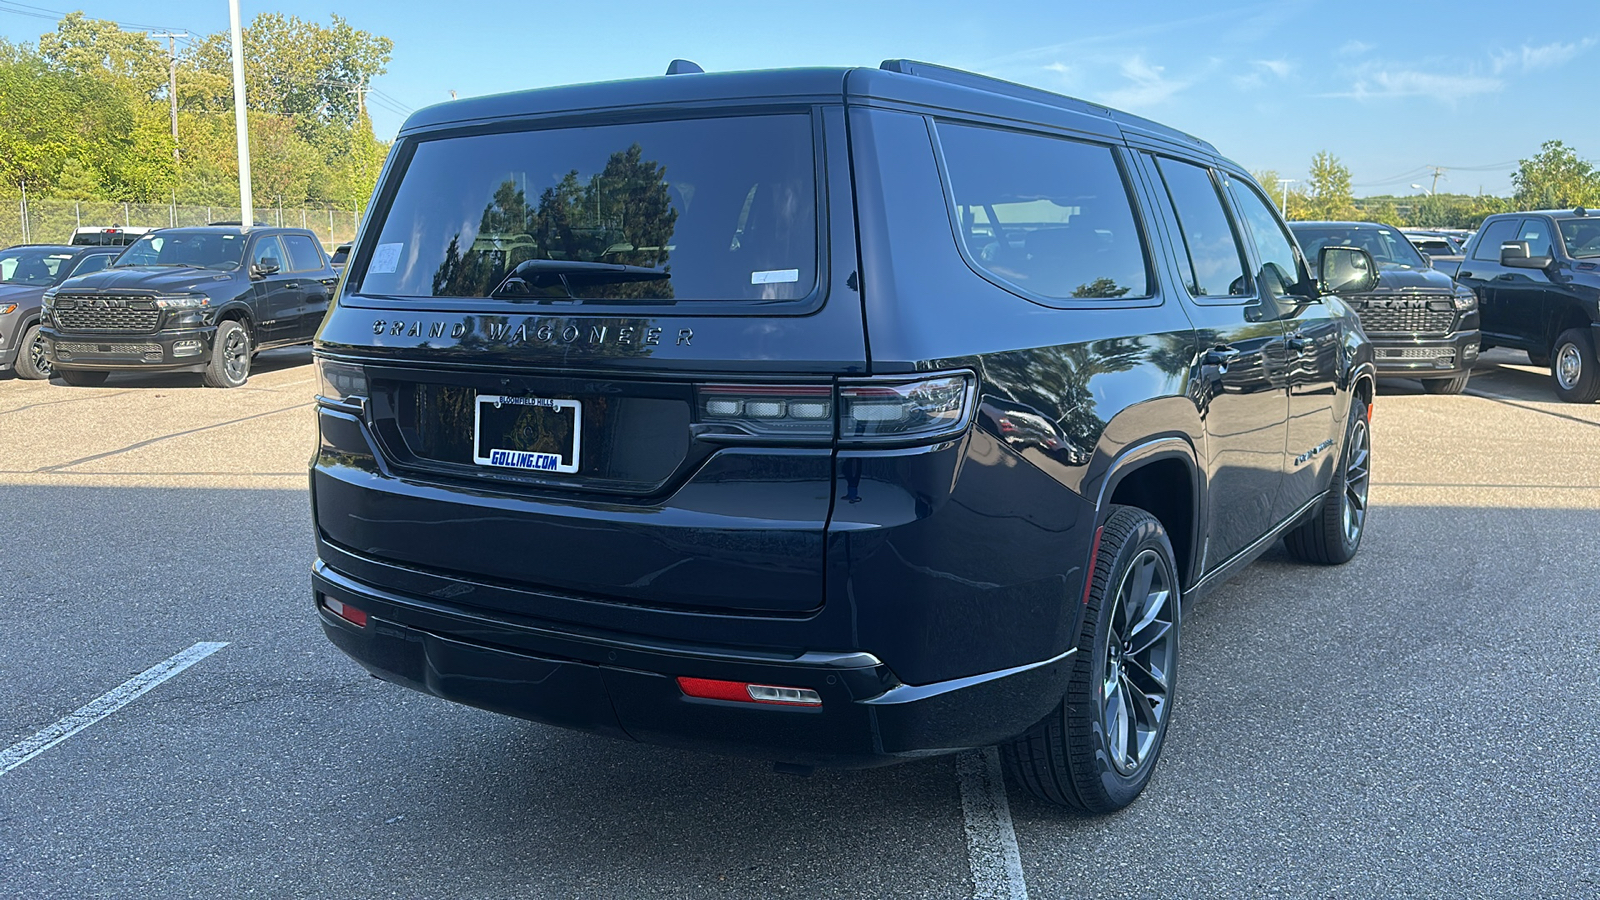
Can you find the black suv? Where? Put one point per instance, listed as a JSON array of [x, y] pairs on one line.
[[1537, 277], [27, 271], [827, 416], [1423, 325], [190, 300]]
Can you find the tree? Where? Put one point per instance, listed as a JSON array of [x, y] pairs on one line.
[[86, 46], [1329, 197], [293, 68], [1555, 178]]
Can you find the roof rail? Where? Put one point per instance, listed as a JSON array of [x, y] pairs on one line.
[[1037, 95], [982, 82]]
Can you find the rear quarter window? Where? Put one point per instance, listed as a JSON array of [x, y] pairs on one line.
[[1046, 217], [714, 209]]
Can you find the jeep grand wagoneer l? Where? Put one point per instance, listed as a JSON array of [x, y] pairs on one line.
[[833, 417]]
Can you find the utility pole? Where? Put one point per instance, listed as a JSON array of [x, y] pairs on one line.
[[1284, 208], [361, 92], [1437, 171], [172, 82], [241, 124]]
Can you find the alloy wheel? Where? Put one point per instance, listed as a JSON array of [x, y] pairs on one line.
[[39, 356], [1357, 472], [1140, 651], [236, 356]]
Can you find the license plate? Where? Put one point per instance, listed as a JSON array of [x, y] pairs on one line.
[[536, 434]]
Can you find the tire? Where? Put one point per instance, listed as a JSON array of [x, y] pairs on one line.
[[1446, 385], [33, 362], [1573, 367], [82, 377], [1332, 535], [230, 357], [1092, 753]]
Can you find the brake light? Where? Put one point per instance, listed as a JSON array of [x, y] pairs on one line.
[[866, 410], [744, 692]]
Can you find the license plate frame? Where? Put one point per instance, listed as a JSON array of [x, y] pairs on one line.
[[548, 457]]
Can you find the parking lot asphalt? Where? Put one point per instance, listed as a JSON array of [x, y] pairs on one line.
[[1417, 722]]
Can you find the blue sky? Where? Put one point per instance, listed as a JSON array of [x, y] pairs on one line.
[[1391, 88]]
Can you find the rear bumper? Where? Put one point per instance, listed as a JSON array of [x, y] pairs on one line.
[[164, 351], [1425, 357], [625, 686]]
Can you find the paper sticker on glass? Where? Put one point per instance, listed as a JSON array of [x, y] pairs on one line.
[[534, 433]]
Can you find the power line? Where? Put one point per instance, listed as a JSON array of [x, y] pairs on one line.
[[40, 12]]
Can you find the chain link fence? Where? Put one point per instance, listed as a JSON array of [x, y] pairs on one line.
[[53, 221]]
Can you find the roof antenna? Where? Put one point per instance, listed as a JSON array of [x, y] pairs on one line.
[[1580, 211], [684, 67]]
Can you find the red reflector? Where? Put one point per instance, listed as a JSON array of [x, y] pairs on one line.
[[745, 692], [1094, 554], [345, 611]]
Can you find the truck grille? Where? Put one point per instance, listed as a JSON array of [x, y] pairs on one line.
[[106, 314], [1408, 315]]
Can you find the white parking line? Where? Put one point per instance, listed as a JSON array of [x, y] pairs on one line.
[[991, 842], [104, 705]]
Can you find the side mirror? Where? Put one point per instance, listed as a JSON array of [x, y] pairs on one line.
[[1346, 270], [1514, 255], [264, 267]]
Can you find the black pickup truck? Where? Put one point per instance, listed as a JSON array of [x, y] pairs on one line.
[[200, 300], [1422, 324], [1537, 278]]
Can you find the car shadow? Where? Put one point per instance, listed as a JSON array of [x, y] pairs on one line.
[[267, 361]]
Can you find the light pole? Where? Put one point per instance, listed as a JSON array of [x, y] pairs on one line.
[[1285, 182], [241, 125], [1418, 187]]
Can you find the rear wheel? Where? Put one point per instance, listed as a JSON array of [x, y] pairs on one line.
[[1573, 366], [1096, 751], [33, 362], [83, 377], [230, 357], [1446, 385], [1333, 533]]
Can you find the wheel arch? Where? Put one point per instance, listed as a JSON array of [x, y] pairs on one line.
[[239, 312], [1161, 477], [1570, 316]]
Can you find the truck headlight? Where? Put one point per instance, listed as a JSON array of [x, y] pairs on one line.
[[1466, 300], [182, 301]]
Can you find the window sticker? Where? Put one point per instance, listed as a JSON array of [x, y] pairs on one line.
[[774, 276], [385, 259]]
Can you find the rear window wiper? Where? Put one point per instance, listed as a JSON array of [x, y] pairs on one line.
[[532, 277]]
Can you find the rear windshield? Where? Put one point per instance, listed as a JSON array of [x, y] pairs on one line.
[[702, 209]]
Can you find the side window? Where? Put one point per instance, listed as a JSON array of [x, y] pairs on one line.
[[1049, 216], [1495, 234], [93, 263], [304, 254], [1536, 232], [1215, 264], [1280, 266], [268, 251]]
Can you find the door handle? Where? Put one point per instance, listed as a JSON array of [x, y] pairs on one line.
[[1463, 274], [291, 284], [1220, 356], [1298, 341], [1505, 277]]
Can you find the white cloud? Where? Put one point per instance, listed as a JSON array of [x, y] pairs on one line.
[[1544, 56], [1378, 83], [1278, 67], [1149, 84], [1354, 48]]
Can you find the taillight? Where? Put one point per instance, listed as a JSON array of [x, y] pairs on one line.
[[866, 410], [882, 410], [802, 411]]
